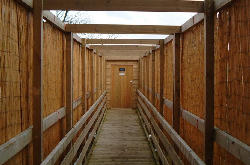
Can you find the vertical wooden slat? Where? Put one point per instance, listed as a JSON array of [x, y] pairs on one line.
[[69, 80], [209, 79], [162, 60], [83, 53], [92, 76], [37, 136], [176, 81], [153, 77]]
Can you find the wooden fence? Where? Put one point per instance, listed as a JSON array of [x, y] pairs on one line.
[[178, 84]]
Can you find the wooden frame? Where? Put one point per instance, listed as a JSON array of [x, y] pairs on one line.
[[37, 134], [61, 146], [153, 77], [128, 53], [179, 142], [162, 66], [69, 81], [176, 81], [19, 142], [120, 5], [122, 41], [121, 47], [121, 29], [161, 136], [209, 81]]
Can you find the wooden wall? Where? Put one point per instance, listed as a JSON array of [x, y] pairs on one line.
[[232, 75], [16, 50], [135, 78], [231, 113], [15, 74]]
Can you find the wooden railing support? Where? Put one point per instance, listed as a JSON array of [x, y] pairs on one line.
[[37, 133], [69, 81], [176, 83], [153, 78], [209, 80], [162, 63]]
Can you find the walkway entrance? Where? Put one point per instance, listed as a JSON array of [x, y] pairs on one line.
[[121, 141]]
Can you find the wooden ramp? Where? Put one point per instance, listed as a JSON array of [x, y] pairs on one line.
[[121, 141]]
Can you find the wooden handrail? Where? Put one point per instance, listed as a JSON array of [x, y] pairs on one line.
[[88, 142], [191, 156], [61, 146], [20, 141], [160, 134], [70, 155], [231, 144]]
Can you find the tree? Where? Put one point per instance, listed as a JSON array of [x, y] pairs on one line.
[[77, 17]]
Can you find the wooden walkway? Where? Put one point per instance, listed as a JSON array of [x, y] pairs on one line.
[[121, 141]]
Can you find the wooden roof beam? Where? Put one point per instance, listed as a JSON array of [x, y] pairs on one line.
[[122, 29], [127, 53], [122, 41], [121, 47], [125, 5]]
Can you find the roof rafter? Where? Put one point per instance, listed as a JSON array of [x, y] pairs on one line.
[[122, 41], [125, 5], [122, 29], [121, 47]]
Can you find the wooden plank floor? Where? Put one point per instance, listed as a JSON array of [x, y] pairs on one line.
[[121, 141]]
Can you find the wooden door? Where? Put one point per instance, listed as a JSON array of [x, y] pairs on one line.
[[121, 86]]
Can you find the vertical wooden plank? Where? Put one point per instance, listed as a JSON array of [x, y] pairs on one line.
[[162, 59], [83, 74], [140, 71], [92, 76], [209, 79], [37, 136], [153, 77], [176, 81], [69, 80]]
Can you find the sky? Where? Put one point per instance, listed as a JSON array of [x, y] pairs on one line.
[[135, 18]]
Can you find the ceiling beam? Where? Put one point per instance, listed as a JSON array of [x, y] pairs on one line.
[[122, 41], [122, 52], [125, 5], [122, 58], [121, 29], [121, 47]]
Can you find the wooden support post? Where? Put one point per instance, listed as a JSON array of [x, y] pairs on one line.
[[83, 53], [176, 81], [37, 136], [69, 80], [162, 63], [153, 77], [92, 76], [209, 79]]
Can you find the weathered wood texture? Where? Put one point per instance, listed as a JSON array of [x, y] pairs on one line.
[[209, 80], [230, 81], [121, 29], [16, 99], [232, 76], [37, 90], [123, 41], [121, 140], [135, 79], [119, 5]]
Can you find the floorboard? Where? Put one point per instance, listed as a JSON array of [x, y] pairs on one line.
[[121, 141]]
